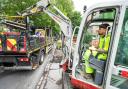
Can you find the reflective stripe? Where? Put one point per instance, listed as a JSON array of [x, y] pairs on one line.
[[11, 45], [0, 44]]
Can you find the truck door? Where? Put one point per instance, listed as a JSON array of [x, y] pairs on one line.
[[117, 77]]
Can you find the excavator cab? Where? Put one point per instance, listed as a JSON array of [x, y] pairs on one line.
[[89, 38], [112, 72]]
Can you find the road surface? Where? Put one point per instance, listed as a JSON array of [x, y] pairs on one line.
[[21, 79]]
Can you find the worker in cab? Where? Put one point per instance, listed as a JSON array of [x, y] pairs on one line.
[[99, 49]]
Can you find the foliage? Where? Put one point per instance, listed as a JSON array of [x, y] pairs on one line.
[[76, 19], [12, 7]]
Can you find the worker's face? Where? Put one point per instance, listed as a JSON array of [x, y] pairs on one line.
[[102, 31]]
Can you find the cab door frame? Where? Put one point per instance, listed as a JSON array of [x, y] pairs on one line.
[[114, 49]]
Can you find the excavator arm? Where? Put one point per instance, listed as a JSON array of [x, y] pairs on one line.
[[43, 6]]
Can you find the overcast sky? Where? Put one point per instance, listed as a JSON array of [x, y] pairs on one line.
[[80, 3]]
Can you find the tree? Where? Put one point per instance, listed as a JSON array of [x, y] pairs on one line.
[[11, 7], [75, 18]]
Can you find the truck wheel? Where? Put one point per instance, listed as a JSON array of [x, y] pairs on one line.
[[41, 58], [35, 62]]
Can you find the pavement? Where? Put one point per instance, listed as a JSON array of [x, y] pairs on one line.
[[54, 77]]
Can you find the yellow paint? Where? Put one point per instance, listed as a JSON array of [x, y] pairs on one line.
[[41, 31], [1, 33], [34, 10], [13, 42], [0, 43], [15, 17]]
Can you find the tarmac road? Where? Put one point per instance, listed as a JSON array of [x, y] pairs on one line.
[[22, 79]]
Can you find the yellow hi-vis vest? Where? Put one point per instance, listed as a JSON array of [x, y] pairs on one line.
[[104, 44], [59, 44]]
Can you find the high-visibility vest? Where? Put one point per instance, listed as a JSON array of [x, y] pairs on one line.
[[104, 44], [59, 44]]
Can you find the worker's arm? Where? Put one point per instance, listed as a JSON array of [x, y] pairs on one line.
[[101, 50], [105, 49]]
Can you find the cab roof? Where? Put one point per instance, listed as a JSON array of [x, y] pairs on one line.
[[109, 4]]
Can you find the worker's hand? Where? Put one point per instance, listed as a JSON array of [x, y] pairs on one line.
[[92, 48], [95, 43]]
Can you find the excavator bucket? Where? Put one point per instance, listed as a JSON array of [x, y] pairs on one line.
[[36, 8]]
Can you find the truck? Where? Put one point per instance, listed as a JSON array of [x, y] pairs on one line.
[[109, 74], [23, 46]]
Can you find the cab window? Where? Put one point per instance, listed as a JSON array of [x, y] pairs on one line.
[[119, 74], [122, 52]]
